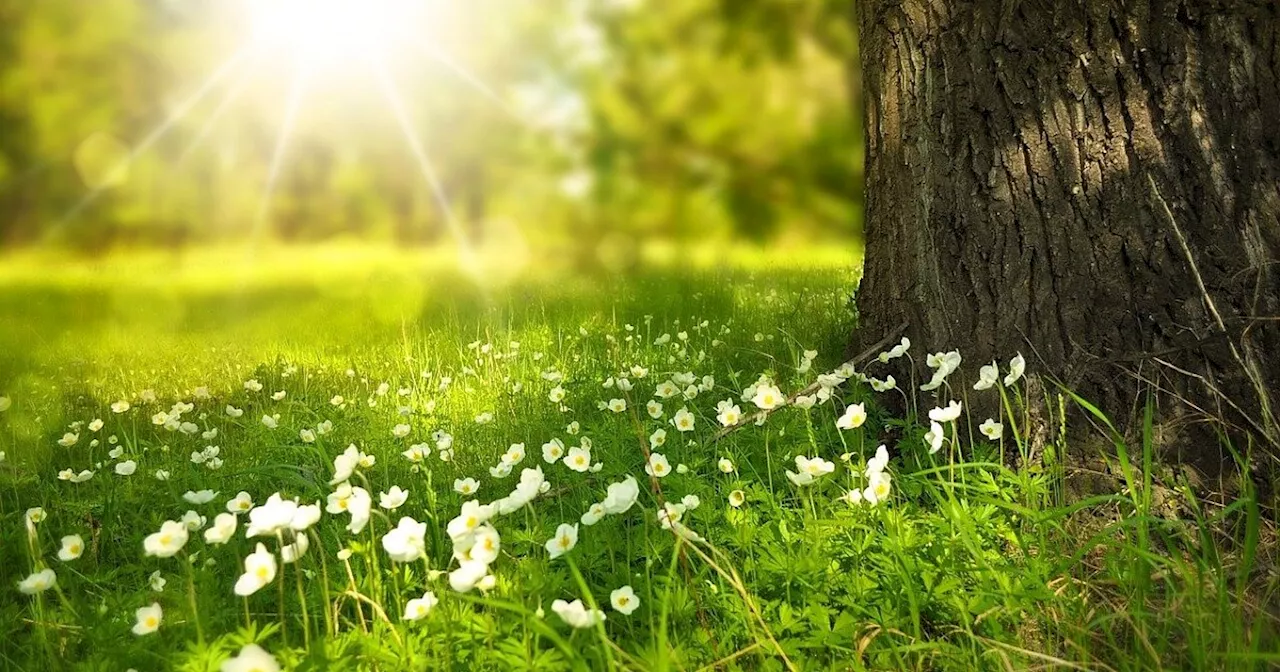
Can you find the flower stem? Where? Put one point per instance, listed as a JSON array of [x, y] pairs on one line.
[[191, 600]]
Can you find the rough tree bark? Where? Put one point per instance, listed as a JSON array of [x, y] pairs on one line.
[[1093, 184]]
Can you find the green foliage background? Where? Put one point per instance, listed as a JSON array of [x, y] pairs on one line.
[[623, 120]]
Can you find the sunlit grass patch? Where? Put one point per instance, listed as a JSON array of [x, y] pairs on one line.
[[569, 473]]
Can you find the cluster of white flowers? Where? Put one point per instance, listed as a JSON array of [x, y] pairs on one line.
[[878, 481]]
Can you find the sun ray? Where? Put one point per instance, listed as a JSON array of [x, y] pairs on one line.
[[466, 76], [232, 95], [294, 101], [178, 113], [396, 102]]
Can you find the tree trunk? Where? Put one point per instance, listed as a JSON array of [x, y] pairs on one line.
[[1093, 184]]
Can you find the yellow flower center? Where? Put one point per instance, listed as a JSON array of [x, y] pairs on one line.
[[262, 573], [165, 539], [151, 622]]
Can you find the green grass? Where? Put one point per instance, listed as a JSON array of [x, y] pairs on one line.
[[972, 563]]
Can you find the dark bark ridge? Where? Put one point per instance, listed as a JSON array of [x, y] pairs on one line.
[[1094, 184]]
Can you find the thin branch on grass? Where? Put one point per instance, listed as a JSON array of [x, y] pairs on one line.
[[860, 358]]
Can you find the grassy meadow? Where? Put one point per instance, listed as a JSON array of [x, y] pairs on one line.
[[574, 500]]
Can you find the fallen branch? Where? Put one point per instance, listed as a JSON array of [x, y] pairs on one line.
[[857, 359]]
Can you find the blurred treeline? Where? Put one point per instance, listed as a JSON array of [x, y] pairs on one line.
[[617, 121]]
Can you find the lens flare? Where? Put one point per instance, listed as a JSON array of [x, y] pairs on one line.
[[323, 33]]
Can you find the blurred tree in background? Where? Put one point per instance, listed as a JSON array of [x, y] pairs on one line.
[[605, 122]]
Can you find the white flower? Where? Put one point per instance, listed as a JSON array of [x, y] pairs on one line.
[[353, 500], [877, 489], [93, 426], [578, 459], [69, 439], [259, 570], [466, 486], [690, 502], [198, 497], [234, 412], [665, 390], [467, 575], [242, 502], [400, 431], [38, 582], [223, 528], [658, 466], [417, 452], [120, 406], [252, 658], [737, 498], [768, 396], [556, 394], [277, 396], [809, 469], [1017, 366], [729, 415], [162, 474], [624, 600], [307, 436], [344, 465], [854, 416], [35, 515], [419, 607], [934, 437], [305, 516], [271, 421], [253, 385], [72, 548], [621, 496], [393, 498], [987, 376], [883, 385], [991, 429], [271, 518], [593, 514], [617, 405], [565, 539], [552, 451], [148, 619], [167, 542], [407, 542], [683, 420], [193, 520], [500, 470], [806, 401], [852, 497], [573, 428], [725, 465], [577, 615], [946, 414], [654, 407], [514, 455], [944, 363], [126, 468], [878, 463]]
